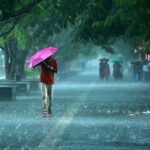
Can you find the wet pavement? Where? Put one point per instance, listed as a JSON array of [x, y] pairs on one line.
[[88, 114]]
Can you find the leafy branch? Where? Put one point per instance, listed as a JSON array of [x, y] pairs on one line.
[[13, 17]]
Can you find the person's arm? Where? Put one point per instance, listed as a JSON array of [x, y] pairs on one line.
[[50, 67]]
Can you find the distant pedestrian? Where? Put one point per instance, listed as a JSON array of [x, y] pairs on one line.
[[145, 72], [118, 71], [101, 70], [137, 71], [104, 69], [48, 68]]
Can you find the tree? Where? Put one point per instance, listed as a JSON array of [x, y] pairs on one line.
[[15, 47], [99, 21], [104, 21], [23, 36], [12, 11]]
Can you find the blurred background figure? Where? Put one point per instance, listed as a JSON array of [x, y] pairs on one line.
[[104, 69], [146, 71], [137, 70], [118, 70]]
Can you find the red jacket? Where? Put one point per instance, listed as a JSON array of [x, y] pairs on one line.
[[46, 74]]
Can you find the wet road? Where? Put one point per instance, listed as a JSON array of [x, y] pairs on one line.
[[87, 115]]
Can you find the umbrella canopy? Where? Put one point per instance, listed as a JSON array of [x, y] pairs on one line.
[[136, 62], [104, 59], [119, 60], [40, 56]]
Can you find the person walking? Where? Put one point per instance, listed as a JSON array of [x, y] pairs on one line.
[[138, 71], [118, 71], [115, 71], [48, 68], [106, 71], [101, 68]]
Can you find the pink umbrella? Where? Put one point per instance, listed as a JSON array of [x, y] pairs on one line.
[[41, 56]]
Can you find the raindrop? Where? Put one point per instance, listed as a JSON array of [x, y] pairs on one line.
[[108, 112], [2, 128], [146, 112]]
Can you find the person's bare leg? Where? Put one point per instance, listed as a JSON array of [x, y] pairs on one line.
[[43, 92]]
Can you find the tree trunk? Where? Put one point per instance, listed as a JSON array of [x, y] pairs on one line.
[[21, 60], [14, 60], [10, 51]]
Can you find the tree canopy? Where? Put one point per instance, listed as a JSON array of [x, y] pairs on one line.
[[102, 21], [12, 11], [28, 25]]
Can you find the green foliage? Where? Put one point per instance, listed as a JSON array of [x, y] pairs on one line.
[[12, 11], [103, 21], [147, 47], [125, 3], [97, 21], [2, 41], [34, 73]]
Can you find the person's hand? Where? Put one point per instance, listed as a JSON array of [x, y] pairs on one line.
[[51, 68]]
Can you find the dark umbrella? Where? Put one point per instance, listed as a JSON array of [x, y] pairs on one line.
[[136, 62], [104, 59]]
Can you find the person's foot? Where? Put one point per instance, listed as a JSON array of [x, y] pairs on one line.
[[50, 111], [44, 114], [49, 115]]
